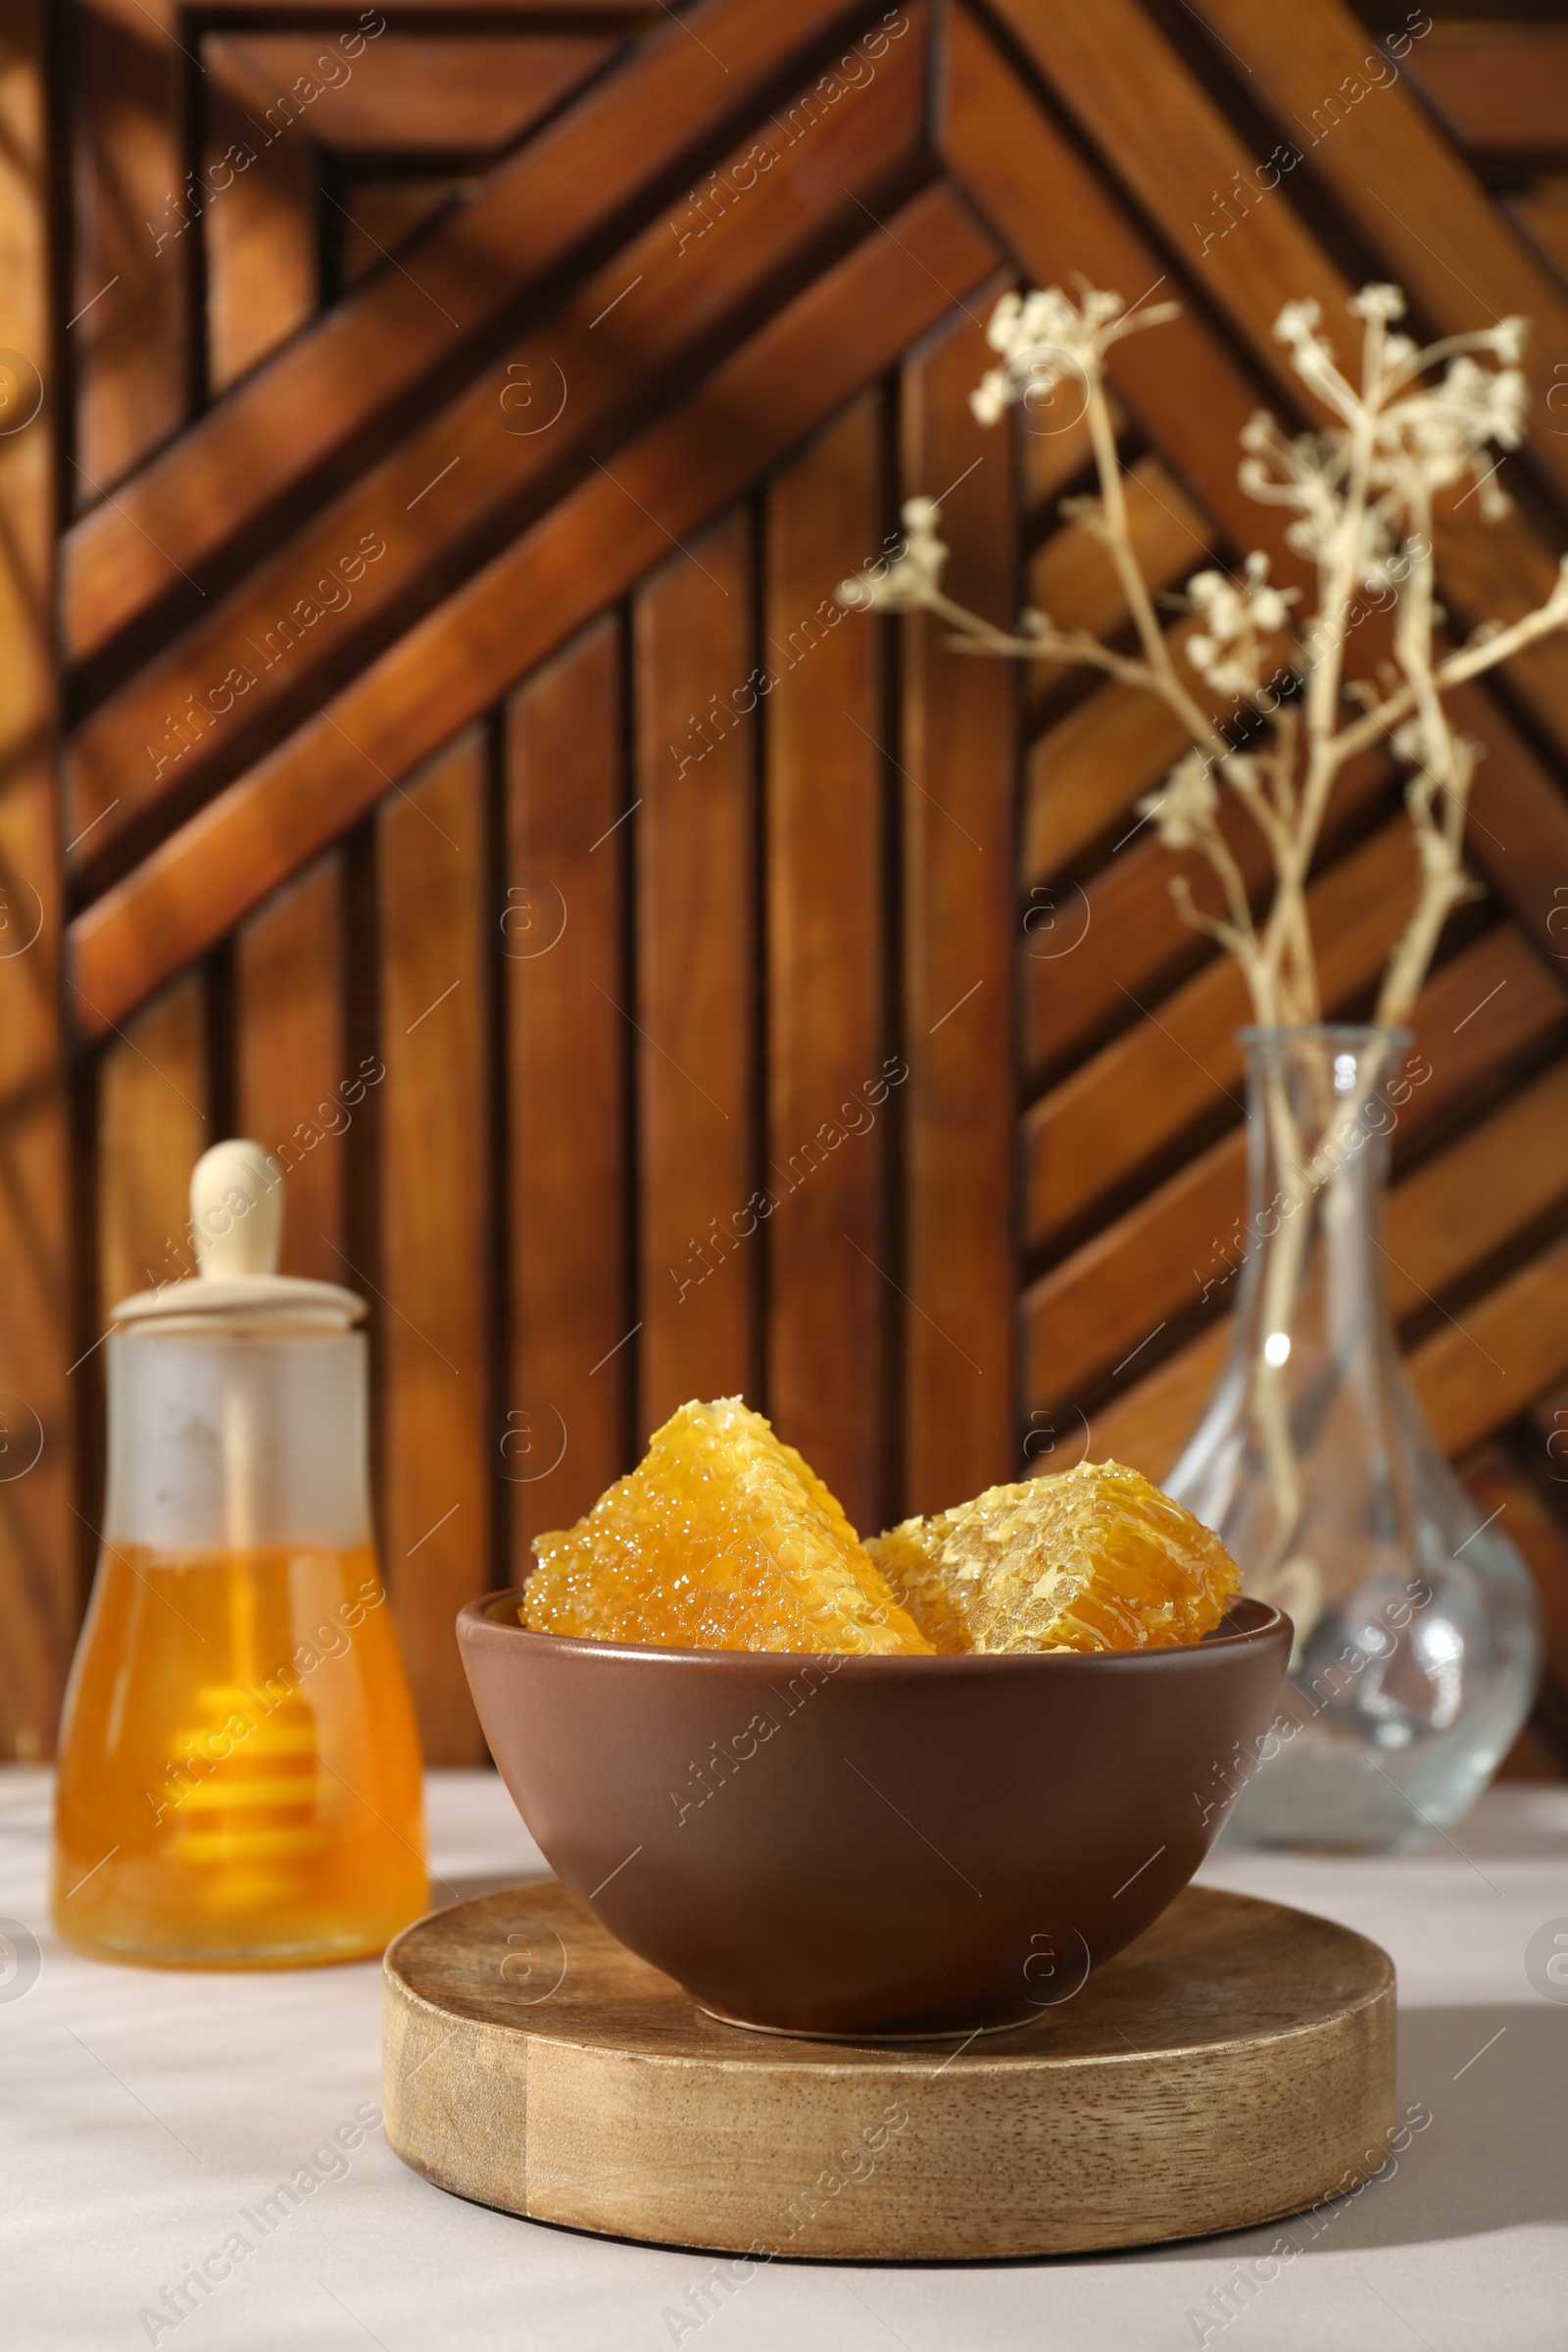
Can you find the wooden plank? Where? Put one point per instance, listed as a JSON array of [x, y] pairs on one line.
[[695, 1007], [388, 544], [1176, 1074], [260, 223], [1428, 217], [569, 1054], [414, 93], [1072, 575], [1119, 73], [1164, 1261], [1499, 1181], [1145, 1423], [295, 1090], [1541, 212], [1506, 1494], [381, 215], [1083, 776], [802, 366], [152, 1129], [1182, 381], [130, 262], [1501, 87], [1093, 948], [830, 1102], [434, 1280], [959, 757], [38, 1547], [315, 402], [1522, 1325]]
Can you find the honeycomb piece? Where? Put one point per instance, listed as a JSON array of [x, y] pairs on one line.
[[1094, 1558], [721, 1538]]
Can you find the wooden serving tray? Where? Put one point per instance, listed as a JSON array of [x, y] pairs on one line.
[[1235, 2064]]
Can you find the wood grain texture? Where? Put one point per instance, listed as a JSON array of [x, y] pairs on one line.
[[1091, 949], [1483, 1014], [1504, 1489], [295, 1091], [433, 1288], [797, 370], [379, 216], [1118, 74], [281, 430], [830, 1101], [695, 1006], [960, 763], [260, 225], [1522, 1327], [38, 1544], [1500, 87], [129, 340], [1238, 2059], [1180, 1071], [152, 1129], [1072, 578], [568, 1060], [415, 92], [406, 528], [1428, 217], [1178, 1251]]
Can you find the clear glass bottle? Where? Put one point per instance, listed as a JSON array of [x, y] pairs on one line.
[[239, 1769], [1416, 1643]]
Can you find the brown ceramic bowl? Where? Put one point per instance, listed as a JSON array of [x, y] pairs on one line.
[[872, 1845]]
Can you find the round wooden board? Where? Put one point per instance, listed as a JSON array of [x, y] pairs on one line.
[[1235, 2064]]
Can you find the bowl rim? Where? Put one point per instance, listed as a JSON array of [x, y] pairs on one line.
[[478, 1623]]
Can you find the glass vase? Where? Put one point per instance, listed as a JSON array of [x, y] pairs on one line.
[[1416, 1643]]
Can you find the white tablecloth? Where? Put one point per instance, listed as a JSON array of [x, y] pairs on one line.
[[146, 2116]]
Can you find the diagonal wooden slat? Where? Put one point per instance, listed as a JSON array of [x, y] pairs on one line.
[[1073, 579], [1116, 72], [321, 397], [1415, 199], [1177, 1069], [407, 92], [393, 542], [1500, 87], [852, 322], [1193, 396], [1522, 1326], [1088, 951], [1177, 1252]]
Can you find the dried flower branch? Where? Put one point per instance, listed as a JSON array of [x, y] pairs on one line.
[[1360, 492]]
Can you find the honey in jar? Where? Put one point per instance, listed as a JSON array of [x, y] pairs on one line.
[[239, 1770]]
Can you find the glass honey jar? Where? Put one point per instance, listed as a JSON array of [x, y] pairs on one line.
[[239, 1769]]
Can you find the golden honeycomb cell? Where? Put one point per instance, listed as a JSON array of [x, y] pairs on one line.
[[721, 1538], [1094, 1558]]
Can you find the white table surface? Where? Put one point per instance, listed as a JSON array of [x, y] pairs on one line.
[[142, 2111]]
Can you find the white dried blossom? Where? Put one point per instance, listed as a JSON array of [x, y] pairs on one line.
[[1241, 618], [1443, 428], [1045, 341], [915, 575], [1377, 302], [1187, 804]]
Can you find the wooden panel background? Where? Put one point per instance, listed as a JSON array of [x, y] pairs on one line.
[[455, 424]]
